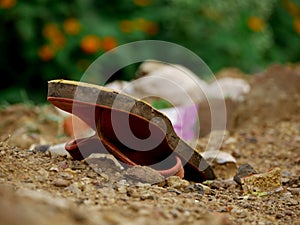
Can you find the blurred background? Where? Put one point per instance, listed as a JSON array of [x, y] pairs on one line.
[[49, 39]]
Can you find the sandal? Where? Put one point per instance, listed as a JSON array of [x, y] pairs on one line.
[[130, 129]]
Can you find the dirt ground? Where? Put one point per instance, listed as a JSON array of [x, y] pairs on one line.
[[264, 131]]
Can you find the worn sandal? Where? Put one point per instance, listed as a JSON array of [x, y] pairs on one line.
[[130, 129]]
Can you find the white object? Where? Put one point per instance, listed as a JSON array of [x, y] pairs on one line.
[[219, 156], [172, 82], [233, 88], [58, 149]]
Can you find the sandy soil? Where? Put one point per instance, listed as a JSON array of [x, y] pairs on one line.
[[40, 188]]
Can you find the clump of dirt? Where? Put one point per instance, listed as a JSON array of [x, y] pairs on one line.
[[28, 124], [274, 97], [42, 188]]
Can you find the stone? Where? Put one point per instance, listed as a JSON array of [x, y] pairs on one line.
[[102, 160], [206, 189], [61, 182], [294, 191], [263, 182], [41, 148], [220, 184], [66, 175], [58, 149], [243, 171], [199, 188], [176, 182], [144, 174], [53, 168]]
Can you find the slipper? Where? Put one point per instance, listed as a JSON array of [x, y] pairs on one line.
[[128, 128]]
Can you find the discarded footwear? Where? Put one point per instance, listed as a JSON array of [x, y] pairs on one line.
[[116, 116]]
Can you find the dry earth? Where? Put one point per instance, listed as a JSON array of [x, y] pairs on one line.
[[40, 188]]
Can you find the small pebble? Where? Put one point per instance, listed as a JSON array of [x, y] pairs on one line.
[[238, 212], [199, 188], [294, 191], [243, 171], [288, 212], [122, 189], [42, 148], [74, 188], [66, 175], [43, 172], [91, 174], [63, 165], [104, 175], [55, 169], [177, 182], [104, 161], [144, 174], [60, 182]]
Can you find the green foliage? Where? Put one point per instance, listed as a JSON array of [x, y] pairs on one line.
[[49, 39]]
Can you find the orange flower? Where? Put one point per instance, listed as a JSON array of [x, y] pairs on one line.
[[90, 44], [152, 28], [58, 41], [7, 4], [297, 25], [142, 2], [46, 53], [140, 24], [126, 26], [292, 8], [50, 30], [256, 24], [109, 43], [71, 26], [54, 35]]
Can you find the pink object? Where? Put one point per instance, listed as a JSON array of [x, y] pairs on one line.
[[184, 120]]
